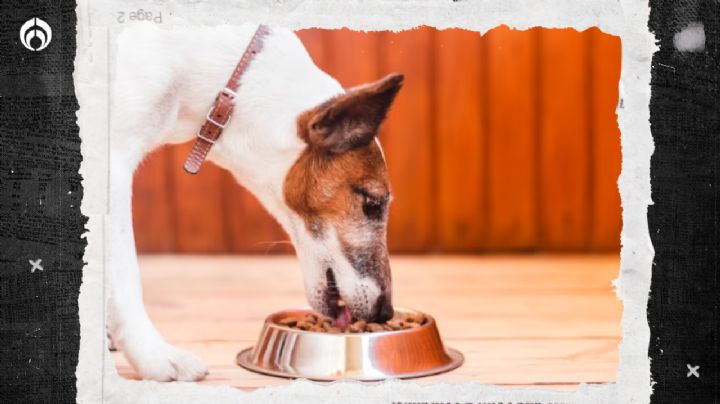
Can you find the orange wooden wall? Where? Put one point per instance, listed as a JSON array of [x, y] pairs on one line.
[[506, 142]]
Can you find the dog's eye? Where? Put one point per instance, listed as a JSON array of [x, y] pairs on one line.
[[373, 207]]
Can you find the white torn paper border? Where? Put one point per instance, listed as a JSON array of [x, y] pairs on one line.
[[97, 379]]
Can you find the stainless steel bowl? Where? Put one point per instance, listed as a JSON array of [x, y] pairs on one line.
[[287, 352]]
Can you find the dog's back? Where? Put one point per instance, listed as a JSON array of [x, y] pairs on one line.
[[176, 73]]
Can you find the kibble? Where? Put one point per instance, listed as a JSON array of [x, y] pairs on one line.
[[317, 323]]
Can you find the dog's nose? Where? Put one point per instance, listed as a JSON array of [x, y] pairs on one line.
[[384, 310]]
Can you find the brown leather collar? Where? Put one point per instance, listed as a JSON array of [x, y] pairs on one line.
[[220, 112]]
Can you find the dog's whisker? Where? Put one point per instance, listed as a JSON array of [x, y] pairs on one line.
[[271, 244]]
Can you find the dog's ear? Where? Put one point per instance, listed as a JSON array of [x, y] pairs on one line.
[[351, 119]]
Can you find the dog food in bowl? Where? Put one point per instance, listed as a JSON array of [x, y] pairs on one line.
[[300, 343], [317, 323]]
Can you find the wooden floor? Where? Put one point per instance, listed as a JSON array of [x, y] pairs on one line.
[[529, 320]]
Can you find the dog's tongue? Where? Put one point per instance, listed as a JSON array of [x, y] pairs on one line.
[[344, 318]]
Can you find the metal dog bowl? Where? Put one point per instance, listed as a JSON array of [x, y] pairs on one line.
[[286, 352]]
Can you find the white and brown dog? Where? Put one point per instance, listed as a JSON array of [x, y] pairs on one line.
[[304, 146]]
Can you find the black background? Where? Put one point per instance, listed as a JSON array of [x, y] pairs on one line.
[[40, 195], [684, 115]]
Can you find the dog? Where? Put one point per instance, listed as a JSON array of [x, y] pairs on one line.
[[303, 145]]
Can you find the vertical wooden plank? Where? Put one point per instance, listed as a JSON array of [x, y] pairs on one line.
[[512, 144], [407, 140], [198, 206], [315, 41], [607, 212], [153, 220], [459, 141], [352, 56], [565, 142]]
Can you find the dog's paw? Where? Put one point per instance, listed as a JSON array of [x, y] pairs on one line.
[[170, 364]]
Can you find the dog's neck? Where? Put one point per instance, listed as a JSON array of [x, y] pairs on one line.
[[261, 144]]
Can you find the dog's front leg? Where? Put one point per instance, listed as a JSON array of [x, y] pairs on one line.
[[129, 324]]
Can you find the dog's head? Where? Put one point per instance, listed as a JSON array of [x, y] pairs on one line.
[[339, 191]]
